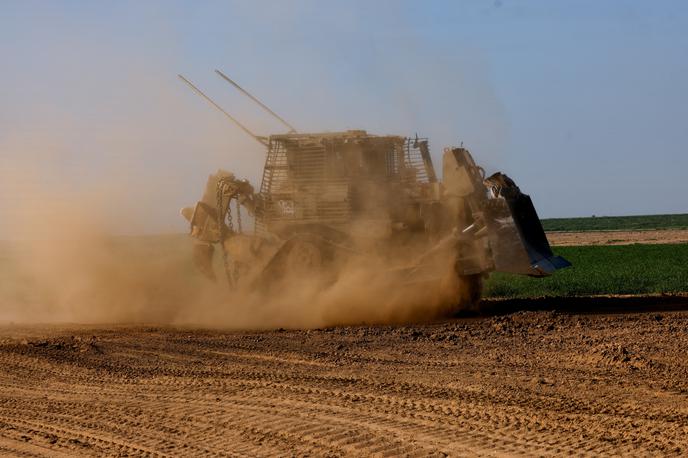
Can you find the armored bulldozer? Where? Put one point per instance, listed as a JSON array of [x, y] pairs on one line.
[[328, 199]]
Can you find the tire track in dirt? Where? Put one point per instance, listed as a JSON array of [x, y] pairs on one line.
[[368, 399], [529, 383]]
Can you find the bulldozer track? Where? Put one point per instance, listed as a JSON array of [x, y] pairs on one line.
[[530, 383]]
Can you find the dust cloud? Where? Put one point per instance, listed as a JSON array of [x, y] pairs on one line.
[[65, 263], [65, 256], [94, 153], [67, 267], [364, 290]]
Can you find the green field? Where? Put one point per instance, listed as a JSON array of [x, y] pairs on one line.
[[623, 269], [617, 223]]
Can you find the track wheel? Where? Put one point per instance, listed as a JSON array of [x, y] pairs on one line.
[[304, 256], [470, 291], [460, 293]]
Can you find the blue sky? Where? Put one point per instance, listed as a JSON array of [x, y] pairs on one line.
[[583, 103]]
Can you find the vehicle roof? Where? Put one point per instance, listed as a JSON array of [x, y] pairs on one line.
[[321, 135]]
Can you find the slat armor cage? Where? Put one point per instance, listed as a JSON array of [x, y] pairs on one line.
[[335, 177]]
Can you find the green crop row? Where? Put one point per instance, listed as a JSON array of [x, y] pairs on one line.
[[624, 269], [617, 223]]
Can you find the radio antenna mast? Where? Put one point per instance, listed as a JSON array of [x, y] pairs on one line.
[[261, 140], [262, 105]]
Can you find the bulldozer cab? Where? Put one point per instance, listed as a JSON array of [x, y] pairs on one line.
[[335, 178]]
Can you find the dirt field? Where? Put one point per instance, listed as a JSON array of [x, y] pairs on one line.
[[530, 383], [617, 237]]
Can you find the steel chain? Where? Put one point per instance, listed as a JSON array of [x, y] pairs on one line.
[[238, 209], [224, 214]]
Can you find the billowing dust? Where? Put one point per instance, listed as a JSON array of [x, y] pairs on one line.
[[85, 276], [68, 268], [112, 142]]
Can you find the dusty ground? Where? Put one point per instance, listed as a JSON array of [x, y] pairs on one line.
[[617, 237], [530, 383]]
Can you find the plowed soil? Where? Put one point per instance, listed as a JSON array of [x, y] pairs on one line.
[[529, 383], [617, 237]]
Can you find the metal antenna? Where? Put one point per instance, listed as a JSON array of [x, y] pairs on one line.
[[230, 81], [261, 140]]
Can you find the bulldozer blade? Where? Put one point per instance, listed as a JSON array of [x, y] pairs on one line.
[[518, 241]]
